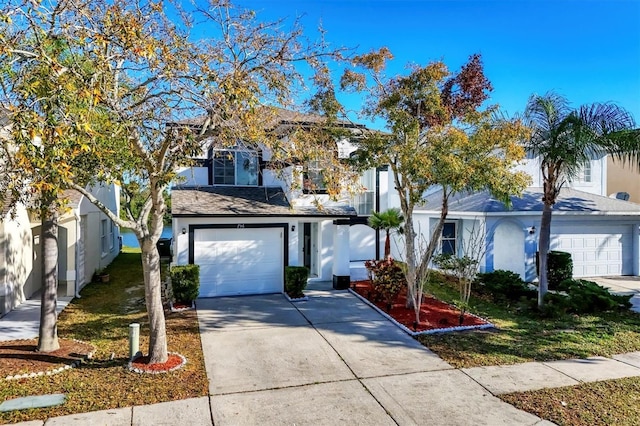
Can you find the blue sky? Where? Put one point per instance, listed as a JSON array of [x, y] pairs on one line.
[[588, 51]]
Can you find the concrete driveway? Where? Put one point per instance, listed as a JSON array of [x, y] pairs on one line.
[[331, 360], [626, 285]]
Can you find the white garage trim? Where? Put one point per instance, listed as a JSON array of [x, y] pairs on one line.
[[596, 250], [239, 259]]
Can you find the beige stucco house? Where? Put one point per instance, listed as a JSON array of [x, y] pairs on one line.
[[623, 177]]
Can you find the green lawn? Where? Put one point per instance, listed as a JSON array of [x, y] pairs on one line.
[[614, 402], [102, 317], [522, 336]]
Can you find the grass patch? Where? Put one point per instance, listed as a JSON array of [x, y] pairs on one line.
[[523, 336], [612, 402], [102, 317]]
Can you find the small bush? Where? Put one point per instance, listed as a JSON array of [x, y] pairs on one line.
[[588, 297], [559, 267], [555, 305], [185, 283], [295, 280], [388, 278], [503, 285]]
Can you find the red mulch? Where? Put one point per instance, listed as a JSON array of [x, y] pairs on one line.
[[142, 363], [434, 314]]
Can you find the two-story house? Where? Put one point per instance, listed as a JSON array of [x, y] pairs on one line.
[[243, 222]]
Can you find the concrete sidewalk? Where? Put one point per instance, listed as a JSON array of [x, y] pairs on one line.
[[24, 321], [334, 360]]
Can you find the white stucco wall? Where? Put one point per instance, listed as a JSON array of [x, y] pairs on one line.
[[598, 184], [362, 243], [193, 176], [16, 260]]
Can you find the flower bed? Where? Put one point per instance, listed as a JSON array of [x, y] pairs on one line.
[[435, 315]]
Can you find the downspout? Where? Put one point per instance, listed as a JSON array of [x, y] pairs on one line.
[[76, 253]]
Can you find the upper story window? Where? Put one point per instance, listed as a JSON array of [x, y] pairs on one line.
[[314, 178], [232, 167], [585, 174], [364, 202]]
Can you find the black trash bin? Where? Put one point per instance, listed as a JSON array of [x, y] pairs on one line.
[[164, 247]]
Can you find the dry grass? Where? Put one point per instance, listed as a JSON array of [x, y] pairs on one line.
[[613, 402], [101, 317]]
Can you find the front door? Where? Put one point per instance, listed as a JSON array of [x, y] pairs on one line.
[[310, 247]]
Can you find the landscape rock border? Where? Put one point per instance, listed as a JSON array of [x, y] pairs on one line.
[[58, 370], [142, 371]]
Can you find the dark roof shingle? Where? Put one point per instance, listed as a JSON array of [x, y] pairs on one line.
[[242, 201]]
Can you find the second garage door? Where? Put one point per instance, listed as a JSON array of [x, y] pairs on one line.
[[596, 251], [238, 261]]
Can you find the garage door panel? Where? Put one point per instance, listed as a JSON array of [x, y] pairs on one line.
[[239, 261], [596, 251]]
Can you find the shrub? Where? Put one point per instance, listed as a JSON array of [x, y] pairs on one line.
[[295, 280], [588, 297], [555, 305], [503, 285], [388, 279], [559, 267], [185, 282]]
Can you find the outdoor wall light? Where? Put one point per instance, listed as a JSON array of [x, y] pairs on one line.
[[293, 228], [184, 231], [532, 230]]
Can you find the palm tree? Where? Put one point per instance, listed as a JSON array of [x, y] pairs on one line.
[[390, 219], [565, 139]]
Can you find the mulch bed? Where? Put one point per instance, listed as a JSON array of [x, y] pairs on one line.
[[141, 364], [434, 314], [21, 357]]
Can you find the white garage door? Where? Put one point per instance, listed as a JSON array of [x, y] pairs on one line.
[[596, 251], [239, 261]]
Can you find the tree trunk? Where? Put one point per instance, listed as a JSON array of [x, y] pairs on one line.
[[153, 299], [48, 331], [543, 251], [412, 284], [387, 246]]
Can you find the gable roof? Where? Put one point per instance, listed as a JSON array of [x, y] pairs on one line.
[[570, 201], [230, 201]]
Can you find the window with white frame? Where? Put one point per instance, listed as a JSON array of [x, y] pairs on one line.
[[104, 242], [110, 236], [364, 202], [235, 167], [449, 238], [585, 173]]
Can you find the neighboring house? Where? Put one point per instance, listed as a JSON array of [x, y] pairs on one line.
[[16, 259], [600, 232], [243, 223], [623, 179], [87, 241]]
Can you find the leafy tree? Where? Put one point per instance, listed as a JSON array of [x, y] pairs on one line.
[[162, 98], [437, 136], [565, 139], [390, 219], [53, 124]]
